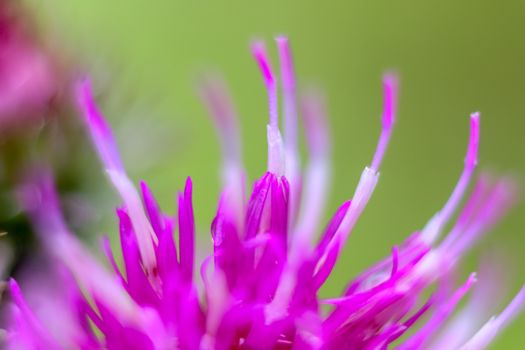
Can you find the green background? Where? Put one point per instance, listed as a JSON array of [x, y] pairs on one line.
[[453, 58]]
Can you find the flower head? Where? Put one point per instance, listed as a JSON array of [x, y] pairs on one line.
[[261, 282]]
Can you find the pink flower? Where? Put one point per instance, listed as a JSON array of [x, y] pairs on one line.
[[28, 79], [261, 283]]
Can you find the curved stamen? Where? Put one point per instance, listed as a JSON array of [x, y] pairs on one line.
[[108, 152], [470, 164], [275, 144], [490, 210], [317, 172], [367, 182], [491, 329], [216, 97], [443, 311], [433, 228], [289, 101], [490, 289], [290, 125], [218, 101], [388, 119]]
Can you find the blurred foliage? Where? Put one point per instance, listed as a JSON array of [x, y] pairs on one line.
[[453, 57]]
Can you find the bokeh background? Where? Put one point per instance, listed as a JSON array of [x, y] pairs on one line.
[[453, 58]]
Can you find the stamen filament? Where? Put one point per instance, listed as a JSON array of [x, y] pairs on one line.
[[276, 162], [388, 119]]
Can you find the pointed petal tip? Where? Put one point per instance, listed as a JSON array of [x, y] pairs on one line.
[[188, 188], [86, 103], [473, 278], [391, 78], [144, 186], [13, 285], [258, 47], [287, 66], [281, 39], [215, 94], [390, 91], [83, 91], [260, 55], [275, 142], [315, 118], [471, 160], [97, 126]]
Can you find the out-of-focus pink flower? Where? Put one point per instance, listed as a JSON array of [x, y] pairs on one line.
[[28, 79], [261, 283]]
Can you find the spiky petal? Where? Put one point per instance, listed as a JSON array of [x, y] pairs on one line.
[[262, 280]]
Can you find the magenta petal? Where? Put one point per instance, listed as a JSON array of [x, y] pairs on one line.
[[260, 285], [186, 232]]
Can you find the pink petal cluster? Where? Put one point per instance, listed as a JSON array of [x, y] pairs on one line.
[[260, 285], [29, 79]]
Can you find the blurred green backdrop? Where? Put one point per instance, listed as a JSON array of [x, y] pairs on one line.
[[453, 57]]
